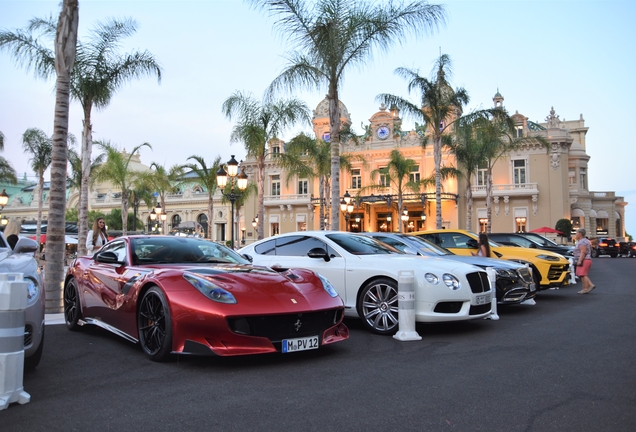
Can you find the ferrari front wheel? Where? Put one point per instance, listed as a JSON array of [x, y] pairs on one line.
[[155, 325], [378, 306], [72, 308]]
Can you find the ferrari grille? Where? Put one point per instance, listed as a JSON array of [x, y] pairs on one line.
[[279, 327]]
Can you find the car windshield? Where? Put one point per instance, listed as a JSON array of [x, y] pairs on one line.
[[425, 246], [361, 245], [541, 241], [181, 250]]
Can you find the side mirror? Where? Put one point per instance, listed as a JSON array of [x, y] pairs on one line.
[[319, 253], [107, 258], [472, 243], [248, 257], [25, 245], [533, 246]]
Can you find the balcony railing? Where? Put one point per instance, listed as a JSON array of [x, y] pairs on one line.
[[280, 199], [517, 189]]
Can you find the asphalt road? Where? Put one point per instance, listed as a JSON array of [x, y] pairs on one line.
[[566, 364]]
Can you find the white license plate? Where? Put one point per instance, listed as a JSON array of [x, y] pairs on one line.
[[483, 299], [533, 287], [300, 344]]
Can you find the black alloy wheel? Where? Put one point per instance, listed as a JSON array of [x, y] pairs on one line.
[[72, 307], [155, 325], [378, 306]]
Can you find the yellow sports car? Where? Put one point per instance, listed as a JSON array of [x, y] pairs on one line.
[[549, 269]]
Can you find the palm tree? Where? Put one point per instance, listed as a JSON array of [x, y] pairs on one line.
[[206, 177], [7, 173], [310, 158], [469, 154], [116, 170], [98, 72], [397, 173], [65, 49], [438, 106], [161, 180], [258, 124], [331, 38], [75, 165], [36, 144]]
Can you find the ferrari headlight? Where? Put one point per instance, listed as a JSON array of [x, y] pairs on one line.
[[431, 278], [451, 281], [209, 289], [328, 287], [33, 290], [548, 257]]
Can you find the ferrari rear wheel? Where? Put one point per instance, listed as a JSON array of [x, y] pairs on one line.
[[378, 306], [155, 325], [72, 307]]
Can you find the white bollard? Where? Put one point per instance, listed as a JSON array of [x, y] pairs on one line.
[[406, 307], [530, 302], [572, 272], [13, 299], [492, 278]]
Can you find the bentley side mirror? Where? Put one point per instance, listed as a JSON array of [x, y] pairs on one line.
[[319, 253]]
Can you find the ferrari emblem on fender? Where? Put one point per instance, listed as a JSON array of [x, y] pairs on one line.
[[297, 325], [294, 301]]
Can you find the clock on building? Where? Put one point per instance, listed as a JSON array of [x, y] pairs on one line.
[[383, 132]]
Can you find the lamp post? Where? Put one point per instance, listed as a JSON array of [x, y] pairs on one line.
[[153, 218], [4, 199], [405, 217], [236, 179], [346, 207], [243, 236]]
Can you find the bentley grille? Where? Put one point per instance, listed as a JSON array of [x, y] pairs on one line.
[[478, 282]]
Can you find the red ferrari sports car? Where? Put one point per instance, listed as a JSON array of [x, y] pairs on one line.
[[184, 295]]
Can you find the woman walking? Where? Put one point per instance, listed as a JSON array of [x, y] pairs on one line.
[[583, 259], [96, 237], [484, 246]]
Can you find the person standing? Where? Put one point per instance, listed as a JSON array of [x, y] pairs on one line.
[[97, 237], [583, 260], [12, 231], [483, 246]]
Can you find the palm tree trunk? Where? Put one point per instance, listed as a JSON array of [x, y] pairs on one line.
[[469, 204], [65, 45], [399, 219], [260, 185], [38, 227], [210, 213], [321, 194], [437, 159], [124, 213], [334, 136], [87, 146], [489, 199]]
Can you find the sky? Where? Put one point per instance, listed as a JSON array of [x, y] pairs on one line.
[[576, 56]]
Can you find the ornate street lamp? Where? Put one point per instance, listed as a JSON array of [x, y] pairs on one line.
[[346, 207], [4, 199], [235, 179], [405, 217]]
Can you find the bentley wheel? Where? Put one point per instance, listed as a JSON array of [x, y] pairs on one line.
[[154, 325], [72, 307], [378, 306]]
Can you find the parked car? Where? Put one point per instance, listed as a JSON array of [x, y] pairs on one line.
[[627, 249], [606, 246], [365, 273], [186, 295], [21, 260], [530, 242], [548, 269], [514, 281]]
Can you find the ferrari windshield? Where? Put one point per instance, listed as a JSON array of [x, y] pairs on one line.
[[361, 245], [181, 250]]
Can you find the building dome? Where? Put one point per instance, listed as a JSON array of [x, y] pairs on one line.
[[322, 111], [577, 150]]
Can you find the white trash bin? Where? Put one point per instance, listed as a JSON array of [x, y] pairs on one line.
[[13, 300]]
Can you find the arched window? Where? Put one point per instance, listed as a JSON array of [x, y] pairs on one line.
[[175, 221], [203, 220], [197, 189]]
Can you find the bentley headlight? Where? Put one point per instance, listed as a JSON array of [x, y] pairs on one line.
[[431, 278], [548, 257], [209, 289], [451, 281], [33, 290], [328, 287]]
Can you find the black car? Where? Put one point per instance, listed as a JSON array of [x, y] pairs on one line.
[[514, 281], [606, 246], [533, 241], [627, 249]]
